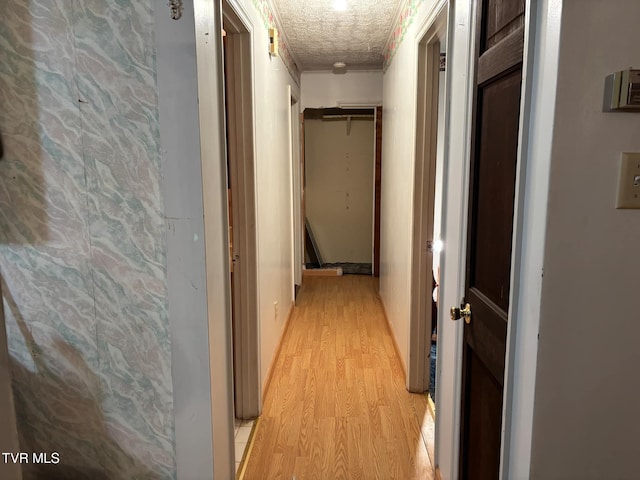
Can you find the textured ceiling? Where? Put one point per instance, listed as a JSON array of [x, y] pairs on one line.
[[318, 36]]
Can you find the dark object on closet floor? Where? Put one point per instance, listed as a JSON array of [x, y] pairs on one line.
[[311, 247], [349, 268]]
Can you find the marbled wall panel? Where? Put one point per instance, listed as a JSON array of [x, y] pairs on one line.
[[44, 241], [41, 128], [116, 79], [82, 242]]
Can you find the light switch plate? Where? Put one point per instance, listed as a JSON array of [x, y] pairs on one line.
[[629, 181]]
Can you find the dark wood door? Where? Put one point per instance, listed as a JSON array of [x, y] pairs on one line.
[[499, 48]]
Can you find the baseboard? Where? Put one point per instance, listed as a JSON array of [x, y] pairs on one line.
[[247, 451], [322, 272], [438, 474], [393, 337], [274, 360], [431, 407]]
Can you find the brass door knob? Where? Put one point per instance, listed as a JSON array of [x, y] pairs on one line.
[[457, 313]]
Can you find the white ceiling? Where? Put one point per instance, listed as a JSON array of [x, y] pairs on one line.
[[318, 36]]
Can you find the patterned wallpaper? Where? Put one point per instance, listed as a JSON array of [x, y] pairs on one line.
[[404, 21], [265, 10], [365, 35], [82, 246]]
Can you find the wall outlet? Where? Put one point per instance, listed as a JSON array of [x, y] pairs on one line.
[[275, 310]]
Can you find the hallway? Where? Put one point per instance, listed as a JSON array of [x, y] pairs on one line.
[[337, 406]]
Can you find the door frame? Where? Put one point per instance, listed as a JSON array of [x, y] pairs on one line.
[[241, 150], [540, 65], [295, 161], [377, 189], [424, 197], [376, 177], [539, 75]]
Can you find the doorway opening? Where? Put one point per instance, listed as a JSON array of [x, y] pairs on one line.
[[427, 212], [340, 172], [297, 216], [238, 90]]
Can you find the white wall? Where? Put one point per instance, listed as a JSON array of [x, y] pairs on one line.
[[339, 188], [398, 160], [326, 89], [272, 108], [398, 164], [586, 414]]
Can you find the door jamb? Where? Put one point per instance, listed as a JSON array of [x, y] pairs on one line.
[[423, 199], [532, 182], [297, 233], [375, 226], [423, 211], [209, 74], [240, 94], [458, 105], [377, 189]]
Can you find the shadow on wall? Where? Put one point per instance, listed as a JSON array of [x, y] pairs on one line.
[[61, 381], [57, 394], [23, 205]]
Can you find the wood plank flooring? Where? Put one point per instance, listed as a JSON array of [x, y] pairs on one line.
[[337, 406]]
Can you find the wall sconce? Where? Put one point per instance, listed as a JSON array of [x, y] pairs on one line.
[[273, 42]]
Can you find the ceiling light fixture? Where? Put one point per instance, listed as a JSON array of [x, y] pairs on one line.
[[339, 68], [339, 5]]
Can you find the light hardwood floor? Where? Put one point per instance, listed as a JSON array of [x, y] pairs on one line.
[[337, 406]]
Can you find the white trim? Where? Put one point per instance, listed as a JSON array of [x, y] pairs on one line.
[[201, 431], [423, 181], [516, 241], [295, 183], [459, 81], [541, 79], [348, 105], [373, 194], [208, 18], [245, 18], [349, 70], [240, 136]]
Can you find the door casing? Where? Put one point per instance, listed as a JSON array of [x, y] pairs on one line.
[[424, 200], [542, 27], [240, 138], [297, 233]]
